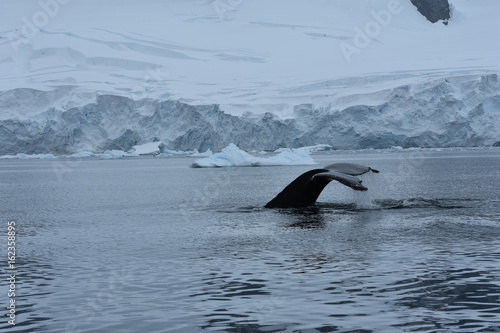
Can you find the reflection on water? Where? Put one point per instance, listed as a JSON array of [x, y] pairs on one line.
[[444, 293], [307, 218], [315, 216], [329, 294], [406, 265]]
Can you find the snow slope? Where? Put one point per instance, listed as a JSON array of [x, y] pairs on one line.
[[65, 64], [247, 55]]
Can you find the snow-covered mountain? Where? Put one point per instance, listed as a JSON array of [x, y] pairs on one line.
[[89, 75]]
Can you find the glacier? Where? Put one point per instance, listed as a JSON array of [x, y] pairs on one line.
[[450, 112], [193, 78]]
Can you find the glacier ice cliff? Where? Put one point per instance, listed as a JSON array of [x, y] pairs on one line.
[[457, 111]]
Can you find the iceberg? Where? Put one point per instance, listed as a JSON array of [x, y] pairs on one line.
[[113, 154], [150, 148], [82, 154], [316, 148], [232, 156], [164, 152], [229, 156], [163, 155], [309, 149], [293, 157], [22, 156]]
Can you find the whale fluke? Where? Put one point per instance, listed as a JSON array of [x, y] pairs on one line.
[[352, 169], [306, 188]]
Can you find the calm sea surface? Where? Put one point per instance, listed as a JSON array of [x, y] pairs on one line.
[[152, 245]]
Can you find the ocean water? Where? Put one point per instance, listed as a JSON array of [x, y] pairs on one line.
[[152, 245]]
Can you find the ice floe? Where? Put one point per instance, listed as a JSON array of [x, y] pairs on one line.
[[232, 156]]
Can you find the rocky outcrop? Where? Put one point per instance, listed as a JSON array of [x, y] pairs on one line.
[[433, 10]]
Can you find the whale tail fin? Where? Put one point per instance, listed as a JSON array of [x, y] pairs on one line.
[[300, 192], [352, 169], [347, 180], [306, 188]]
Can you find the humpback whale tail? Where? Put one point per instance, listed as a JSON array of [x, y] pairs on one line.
[[306, 188]]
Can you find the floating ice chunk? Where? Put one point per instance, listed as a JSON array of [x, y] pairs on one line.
[[82, 154], [22, 156], [168, 153], [150, 148], [47, 156], [229, 156], [163, 155], [233, 156], [280, 150], [178, 152], [309, 149], [113, 154], [293, 157], [313, 149]]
